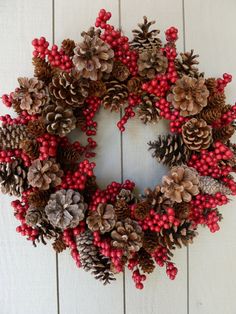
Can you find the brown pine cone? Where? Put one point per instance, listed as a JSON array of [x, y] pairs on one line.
[[34, 216], [90, 188], [156, 199], [186, 64], [182, 210], [210, 114], [146, 262], [67, 155], [11, 136], [197, 135], [31, 148], [39, 199], [181, 184], [142, 210], [68, 47], [211, 85], [103, 219], [97, 88], [116, 96], [120, 71], [36, 128], [151, 63], [59, 245], [189, 95], [122, 209], [134, 85], [148, 111], [150, 241], [223, 134], [42, 69], [126, 195]]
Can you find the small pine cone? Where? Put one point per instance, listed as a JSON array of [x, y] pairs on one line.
[[211, 85], [42, 69], [182, 210], [68, 47], [122, 209], [34, 216], [151, 63], [189, 95], [103, 219], [146, 262], [67, 155], [186, 64], [90, 188], [197, 135], [11, 136], [125, 195], [148, 112], [116, 96], [181, 184], [31, 148], [13, 178], [142, 210], [39, 199], [36, 128], [97, 88], [134, 85], [150, 241], [223, 134], [170, 150], [102, 270], [210, 114], [120, 71], [156, 199], [211, 186], [59, 245], [58, 119], [127, 236]]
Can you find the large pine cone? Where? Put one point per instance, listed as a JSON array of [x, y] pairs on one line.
[[197, 135], [189, 95], [181, 184], [65, 209], [44, 174], [11, 136], [93, 56], [30, 96], [116, 96], [151, 63], [102, 219], [148, 111], [127, 236], [12, 178], [68, 90], [59, 120]]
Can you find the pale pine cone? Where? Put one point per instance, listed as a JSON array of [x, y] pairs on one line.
[[189, 95], [44, 174], [151, 63], [102, 219], [181, 184], [65, 209], [31, 96], [212, 186]]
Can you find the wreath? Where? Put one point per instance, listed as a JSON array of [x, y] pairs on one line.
[[59, 199]]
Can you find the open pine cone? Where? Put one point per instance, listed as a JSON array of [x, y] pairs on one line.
[[103, 219], [116, 96], [181, 184], [151, 63], [11, 136], [65, 209]]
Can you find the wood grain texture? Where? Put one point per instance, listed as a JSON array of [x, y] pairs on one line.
[[27, 275], [79, 291], [143, 169], [210, 30]]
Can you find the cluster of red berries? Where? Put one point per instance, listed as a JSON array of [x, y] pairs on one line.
[[7, 100], [24, 118], [92, 107], [48, 146], [226, 118], [11, 154], [171, 34], [161, 255], [138, 278], [222, 83], [171, 270], [212, 219]]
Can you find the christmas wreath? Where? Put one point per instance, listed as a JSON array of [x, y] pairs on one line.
[[60, 200]]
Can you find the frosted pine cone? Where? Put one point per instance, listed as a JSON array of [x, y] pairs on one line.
[[103, 219], [151, 63], [44, 174], [197, 135], [31, 95], [189, 95], [181, 184], [65, 209], [93, 56], [211, 186]]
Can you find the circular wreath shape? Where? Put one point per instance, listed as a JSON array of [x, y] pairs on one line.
[[59, 199]]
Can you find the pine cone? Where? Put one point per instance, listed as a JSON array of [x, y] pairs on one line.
[[120, 71], [210, 114], [34, 216], [170, 150], [156, 199], [68, 47], [97, 88], [197, 135], [103, 219], [122, 209], [36, 128], [67, 155], [182, 210], [125, 195], [150, 241], [12, 178], [216, 99], [142, 210], [42, 69], [208, 185], [59, 120], [145, 38], [151, 63], [134, 85], [59, 245], [189, 95], [31, 148], [127, 236], [181, 184], [65, 209], [39, 199], [146, 262], [148, 112], [69, 90], [116, 96], [211, 85], [11, 136], [90, 188], [31, 96], [93, 56], [186, 65], [223, 134], [102, 270], [44, 174]]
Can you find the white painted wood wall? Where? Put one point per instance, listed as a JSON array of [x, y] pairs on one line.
[[34, 281]]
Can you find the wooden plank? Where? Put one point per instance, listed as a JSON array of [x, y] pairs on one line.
[[27, 275], [79, 291], [160, 295], [210, 30]]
